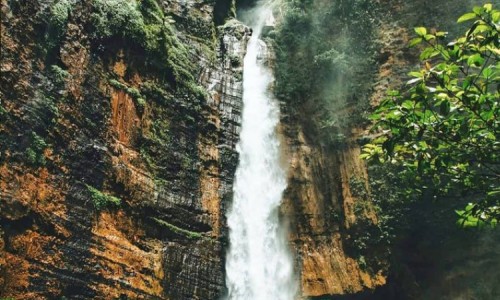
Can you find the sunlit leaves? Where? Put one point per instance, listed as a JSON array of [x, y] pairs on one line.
[[445, 127], [421, 31], [467, 17]]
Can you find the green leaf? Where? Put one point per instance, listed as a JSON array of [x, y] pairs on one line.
[[421, 31], [407, 104], [495, 17], [466, 17], [488, 7], [416, 74], [475, 60], [427, 53], [488, 72], [415, 41], [429, 37], [478, 10]]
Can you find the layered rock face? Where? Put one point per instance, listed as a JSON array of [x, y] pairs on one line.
[[322, 208], [86, 123]]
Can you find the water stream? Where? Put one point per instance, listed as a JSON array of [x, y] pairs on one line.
[[258, 265]]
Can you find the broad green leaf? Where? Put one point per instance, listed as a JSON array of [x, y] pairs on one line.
[[444, 108], [488, 72], [478, 10], [475, 60], [421, 31], [415, 41], [416, 74], [407, 104], [466, 17], [481, 28], [495, 16], [429, 37]]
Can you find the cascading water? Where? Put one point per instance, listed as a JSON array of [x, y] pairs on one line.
[[259, 265]]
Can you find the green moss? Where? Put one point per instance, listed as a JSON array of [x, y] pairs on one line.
[[101, 200], [58, 74], [143, 24], [59, 13], [58, 19], [116, 84], [34, 153], [132, 91], [155, 93], [178, 230]]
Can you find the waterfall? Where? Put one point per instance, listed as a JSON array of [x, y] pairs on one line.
[[259, 265]]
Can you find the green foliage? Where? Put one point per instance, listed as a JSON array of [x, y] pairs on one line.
[[101, 200], [136, 95], [143, 24], [58, 19], [34, 153], [178, 230], [223, 10], [59, 13], [58, 74], [116, 18], [444, 129], [318, 48]]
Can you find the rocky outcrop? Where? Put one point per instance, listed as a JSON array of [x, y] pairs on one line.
[[321, 209], [113, 177]]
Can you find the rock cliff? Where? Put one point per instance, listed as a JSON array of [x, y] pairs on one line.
[[114, 169]]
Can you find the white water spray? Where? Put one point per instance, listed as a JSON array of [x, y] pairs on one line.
[[259, 265]]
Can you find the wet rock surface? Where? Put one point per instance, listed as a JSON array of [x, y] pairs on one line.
[[83, 123]]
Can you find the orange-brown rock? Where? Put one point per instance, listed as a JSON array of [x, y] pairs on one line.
[[165, 159], [319, 207]]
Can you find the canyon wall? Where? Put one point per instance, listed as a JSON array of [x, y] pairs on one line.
[[114, 174]]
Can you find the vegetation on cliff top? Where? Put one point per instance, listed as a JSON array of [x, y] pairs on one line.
[[325, 62], [444, 129]]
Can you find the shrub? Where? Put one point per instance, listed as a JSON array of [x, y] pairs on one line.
[[59, 14], [116, 18]]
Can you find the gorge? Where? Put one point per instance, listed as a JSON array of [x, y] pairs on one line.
[[148, 150]]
